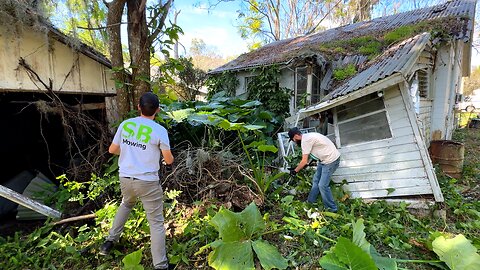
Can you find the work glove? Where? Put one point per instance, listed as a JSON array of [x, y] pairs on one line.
[[293, 172]]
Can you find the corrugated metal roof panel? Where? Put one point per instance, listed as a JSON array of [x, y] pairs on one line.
[[284, 51], [396, 59]]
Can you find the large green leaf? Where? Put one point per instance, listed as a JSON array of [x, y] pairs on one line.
[[383, 263], [238, 226], [353, 256], [359, 236], [180, 115], [331, 262], [253, 127], [251, 220], [267, 148], [252, 103], [228, 225], [132, 261], [231, 256], [269, 256], [457, 253]]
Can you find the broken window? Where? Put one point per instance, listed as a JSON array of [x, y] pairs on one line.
[[419, 88], [317, 94], [301, 87], [363, 120]]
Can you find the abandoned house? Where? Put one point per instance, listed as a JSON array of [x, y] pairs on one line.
[[402, 75], [54, 95]]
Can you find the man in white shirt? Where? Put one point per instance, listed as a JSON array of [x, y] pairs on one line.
[[322, 149]]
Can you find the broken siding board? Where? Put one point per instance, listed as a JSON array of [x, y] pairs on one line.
[[391, 150], [404, 131], [409, 191], [426, 162], [394, 183], [400, 140], [399, 121], [417, 172], [385, 159], [379, 167]]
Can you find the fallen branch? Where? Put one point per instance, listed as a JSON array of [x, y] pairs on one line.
[[88, 216]]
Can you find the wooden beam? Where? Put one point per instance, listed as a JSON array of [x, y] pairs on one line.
[[29, 203], [90, 106]]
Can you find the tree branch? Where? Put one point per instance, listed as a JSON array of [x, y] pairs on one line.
[[157, 31]]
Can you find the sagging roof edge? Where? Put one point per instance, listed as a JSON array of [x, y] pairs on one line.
[[84, 48], [389, 81], [103, 94], [213, 72]]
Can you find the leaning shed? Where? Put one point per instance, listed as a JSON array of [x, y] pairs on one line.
[[50, 85], [383, 115]]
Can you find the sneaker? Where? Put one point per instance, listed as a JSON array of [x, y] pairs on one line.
[[169, 267], [106, 247]]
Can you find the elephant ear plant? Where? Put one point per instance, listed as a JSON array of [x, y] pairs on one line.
[[239, 233]]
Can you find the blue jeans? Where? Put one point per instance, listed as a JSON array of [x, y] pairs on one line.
[[321, 184]]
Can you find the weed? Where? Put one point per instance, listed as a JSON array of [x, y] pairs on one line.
[[345, 72]]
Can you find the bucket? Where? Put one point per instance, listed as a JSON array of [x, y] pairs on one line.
[[449, 155]]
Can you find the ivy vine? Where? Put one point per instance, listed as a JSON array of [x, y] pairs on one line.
[[226, 81], [265, 88]]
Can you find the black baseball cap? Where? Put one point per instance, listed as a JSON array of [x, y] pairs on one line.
[[292, 132], [150, 100]]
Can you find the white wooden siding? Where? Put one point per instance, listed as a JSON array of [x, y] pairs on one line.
[[425, 118], [372, 168], [69, 70]]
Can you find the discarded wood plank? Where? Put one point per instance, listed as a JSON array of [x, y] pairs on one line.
[[70, 219], [29, 203]]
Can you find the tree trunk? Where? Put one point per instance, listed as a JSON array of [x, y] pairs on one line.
[[139, 47], [114, 18]]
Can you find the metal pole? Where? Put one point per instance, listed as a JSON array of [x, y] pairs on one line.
[[29, 203]]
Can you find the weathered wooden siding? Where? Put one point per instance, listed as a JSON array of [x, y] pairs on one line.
[[425, 119], [70, 70], [386, 168]]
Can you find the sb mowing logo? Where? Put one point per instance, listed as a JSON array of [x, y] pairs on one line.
[[140, 135]]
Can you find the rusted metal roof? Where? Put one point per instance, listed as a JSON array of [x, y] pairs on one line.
[[284, 51]]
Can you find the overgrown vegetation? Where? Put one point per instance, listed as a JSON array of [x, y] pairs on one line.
[[372, 45], [225, 82], [304, 235], [344, 72], [263, 87]]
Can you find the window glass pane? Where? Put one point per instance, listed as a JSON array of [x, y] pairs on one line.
[[316, 80], [300, 85], [360, 106], [369, 128]]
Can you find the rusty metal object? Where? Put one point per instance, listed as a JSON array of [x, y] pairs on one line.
[[449, 155]]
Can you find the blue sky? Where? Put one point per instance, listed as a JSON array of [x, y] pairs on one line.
[[215, 27]]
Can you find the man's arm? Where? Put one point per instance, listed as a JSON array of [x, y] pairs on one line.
[[114, 149], [302, 163], [167, 156]]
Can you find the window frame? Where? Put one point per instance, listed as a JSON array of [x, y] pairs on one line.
[[338, 123]]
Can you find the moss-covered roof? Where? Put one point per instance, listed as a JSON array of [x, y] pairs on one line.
[[454, 18]]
